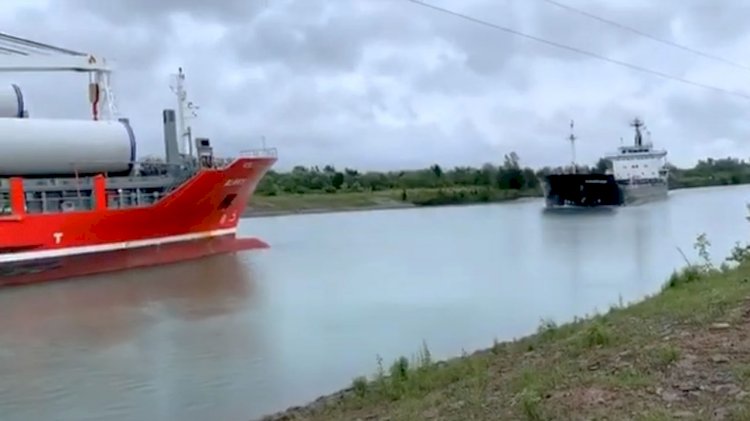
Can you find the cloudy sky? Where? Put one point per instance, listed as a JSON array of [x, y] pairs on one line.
[[382, 84]]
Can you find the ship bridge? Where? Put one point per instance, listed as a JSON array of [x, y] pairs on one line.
[[638, 161]]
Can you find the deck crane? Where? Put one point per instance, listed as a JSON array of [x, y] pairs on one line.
[[24, 55]]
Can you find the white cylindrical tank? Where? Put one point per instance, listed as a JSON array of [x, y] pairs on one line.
[[11, 101], [47, 147]]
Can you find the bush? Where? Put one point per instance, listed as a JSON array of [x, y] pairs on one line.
[[685, 275]]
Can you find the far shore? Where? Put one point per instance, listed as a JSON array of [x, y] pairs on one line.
[[264, 213], [313, 203], [305, 204]]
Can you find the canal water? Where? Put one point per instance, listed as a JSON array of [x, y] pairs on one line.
[[235, 337]]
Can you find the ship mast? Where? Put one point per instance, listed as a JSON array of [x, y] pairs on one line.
[[637, 123], [185, 131], [179, 90], [572, 138]]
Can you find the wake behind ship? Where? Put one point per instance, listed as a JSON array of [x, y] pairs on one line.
[[74, 200], [638, 175]]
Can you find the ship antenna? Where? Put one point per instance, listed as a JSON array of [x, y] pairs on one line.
[[572, 139], [637, 123], [184, 134]]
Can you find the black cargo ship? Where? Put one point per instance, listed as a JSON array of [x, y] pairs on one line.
[[580, 190], [637, 175]]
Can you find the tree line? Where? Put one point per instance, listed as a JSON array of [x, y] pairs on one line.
[[510, 175]]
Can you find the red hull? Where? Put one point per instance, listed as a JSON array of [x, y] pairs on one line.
[[42, 270], [198, 218]]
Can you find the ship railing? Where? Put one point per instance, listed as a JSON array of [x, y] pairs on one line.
[[59, 204], [133, 198], [5, 208], [81, 171], [157, 166], [260, 153]]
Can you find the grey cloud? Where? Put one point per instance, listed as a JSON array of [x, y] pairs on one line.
[[489, 50], [707, 117], [132, 49], [456, 147], [295, 60], [452, 78], [136, 11], [303, 47], [714, 23], [309, 37]]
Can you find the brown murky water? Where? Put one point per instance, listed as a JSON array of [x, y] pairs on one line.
[[234, 337]]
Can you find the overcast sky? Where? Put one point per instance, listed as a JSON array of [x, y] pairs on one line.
[[383, 84]]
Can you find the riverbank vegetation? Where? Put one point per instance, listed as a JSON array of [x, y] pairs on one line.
[[683, 353], [306, 189], [711, 172]]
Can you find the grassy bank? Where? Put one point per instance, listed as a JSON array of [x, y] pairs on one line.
[[389, 199], [340, 201], [683, 353]]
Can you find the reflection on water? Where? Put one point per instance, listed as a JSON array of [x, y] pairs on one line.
[[235, 337], [150, 342], [106, 310]]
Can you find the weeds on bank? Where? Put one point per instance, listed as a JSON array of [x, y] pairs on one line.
[[597, 334], [531, 404], [579, 335], [692, 272], [667, 356], [414, 377]]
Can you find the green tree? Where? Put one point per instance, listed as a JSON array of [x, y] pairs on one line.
[[337, 180], [602, 166], [437, 171], [507, 175], [510, 176]]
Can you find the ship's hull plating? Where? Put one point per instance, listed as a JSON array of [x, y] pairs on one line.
[[197, 219], [581, 191], [643, 193], [599, 190], [50, 268]]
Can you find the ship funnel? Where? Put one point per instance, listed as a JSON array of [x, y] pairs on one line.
[[171, 146]]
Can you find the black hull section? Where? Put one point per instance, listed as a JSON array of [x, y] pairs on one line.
[[581, 190]]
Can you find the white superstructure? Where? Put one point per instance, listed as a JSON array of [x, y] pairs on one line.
[[639, 163], [640, 170]]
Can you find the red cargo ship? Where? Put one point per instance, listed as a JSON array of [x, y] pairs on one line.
[[74, 201]]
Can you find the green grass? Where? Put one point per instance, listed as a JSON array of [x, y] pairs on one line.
[[667, 356], [292, 203], [327, 201]]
